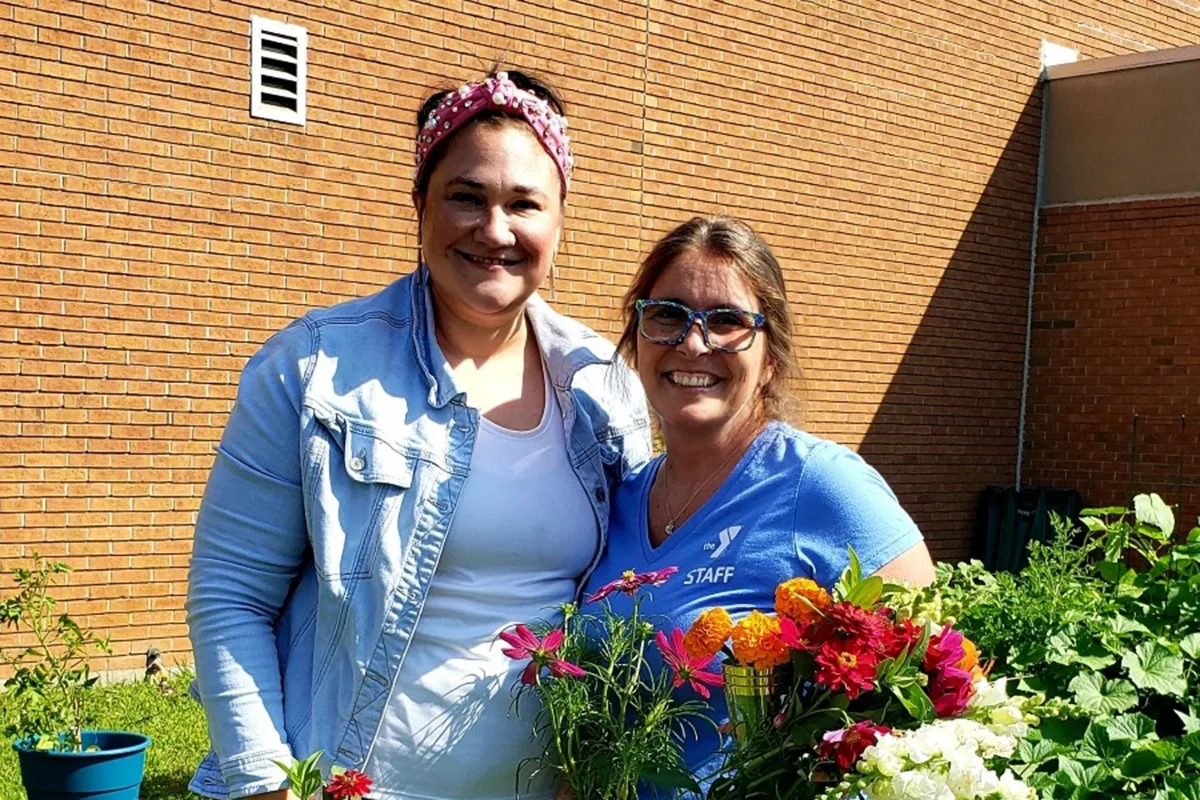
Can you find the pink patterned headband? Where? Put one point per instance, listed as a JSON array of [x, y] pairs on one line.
[[497, 92]]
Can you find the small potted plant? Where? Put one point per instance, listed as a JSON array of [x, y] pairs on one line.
[[307, 783], [51, 684]]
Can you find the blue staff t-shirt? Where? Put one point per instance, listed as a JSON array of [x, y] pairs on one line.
[[790, 509]]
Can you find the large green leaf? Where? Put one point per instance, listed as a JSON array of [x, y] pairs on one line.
[[1076, 645], [1190, 645], [1142, 764], [1093, 692], [1125, 625], [1099, 744], [1154, 667], [1131, 727], [1151, 510]]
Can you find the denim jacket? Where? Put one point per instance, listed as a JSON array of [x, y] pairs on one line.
[[327, 509]]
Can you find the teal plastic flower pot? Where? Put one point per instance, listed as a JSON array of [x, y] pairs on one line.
[[114, 772]]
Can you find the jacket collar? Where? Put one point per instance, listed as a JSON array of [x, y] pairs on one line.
[[566, 345]]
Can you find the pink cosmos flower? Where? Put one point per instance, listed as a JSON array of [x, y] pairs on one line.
[[687, 669], [845, 746], [524, 643], [630, 582]]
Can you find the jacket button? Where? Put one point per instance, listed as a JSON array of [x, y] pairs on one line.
[[357, 464]]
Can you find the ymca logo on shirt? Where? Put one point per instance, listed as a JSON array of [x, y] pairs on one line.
[[719, 574]]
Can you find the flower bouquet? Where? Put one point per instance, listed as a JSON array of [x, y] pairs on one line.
[[842, 695], [606, 712], [307, 782]]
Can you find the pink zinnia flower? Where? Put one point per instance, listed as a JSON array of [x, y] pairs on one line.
[[630, 582], [349, 785], [845, 746], [524, 643], [945, 650], [687, 669], [791, 634], [951, 690]]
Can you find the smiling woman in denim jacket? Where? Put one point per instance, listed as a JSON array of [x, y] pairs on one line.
[[405, 475]]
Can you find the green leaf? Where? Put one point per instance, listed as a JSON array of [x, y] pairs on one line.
[[1152, 666], [1075, 645], [1191, 723], [1190, 645], [866, 592], [1141, 764], [1065, 732], [1097, 694], [916, 702], [1151, 510], [1131, 727], [673, 779], [1124, 625], [1107, 511], [1034, 753]]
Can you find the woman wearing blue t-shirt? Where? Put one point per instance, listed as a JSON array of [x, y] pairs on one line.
[[741, 501]]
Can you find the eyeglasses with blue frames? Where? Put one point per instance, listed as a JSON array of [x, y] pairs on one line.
[[727, 330]]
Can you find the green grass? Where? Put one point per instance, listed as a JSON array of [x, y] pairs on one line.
[[174, 722]]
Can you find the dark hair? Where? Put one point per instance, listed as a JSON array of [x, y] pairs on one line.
[[736, 243], [495, 117]]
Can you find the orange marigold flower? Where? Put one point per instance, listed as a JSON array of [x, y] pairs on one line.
[[708, 633], [756, 641], [970, 659], [800, 600]]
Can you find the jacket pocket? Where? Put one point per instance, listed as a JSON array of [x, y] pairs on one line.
[[356, 481]]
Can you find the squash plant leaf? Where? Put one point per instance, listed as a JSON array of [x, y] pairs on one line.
[[1099, 695], [1152, 666]]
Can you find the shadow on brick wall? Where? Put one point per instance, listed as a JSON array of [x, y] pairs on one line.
[[948, 423]]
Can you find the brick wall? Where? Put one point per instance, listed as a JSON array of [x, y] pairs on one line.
[[151, 234], [1116, 335]]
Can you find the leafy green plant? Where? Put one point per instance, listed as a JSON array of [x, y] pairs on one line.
[[307, 782], [1106, 620], [52, 681], [606, 715]]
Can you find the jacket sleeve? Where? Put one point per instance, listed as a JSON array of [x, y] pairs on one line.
[[249, 543], [635, 444]]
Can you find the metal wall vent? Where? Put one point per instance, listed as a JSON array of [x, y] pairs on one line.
[[278, 70]]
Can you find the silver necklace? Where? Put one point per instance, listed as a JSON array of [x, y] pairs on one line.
[[672, 516]]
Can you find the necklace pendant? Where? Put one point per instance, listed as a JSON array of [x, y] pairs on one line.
[[670, 528]]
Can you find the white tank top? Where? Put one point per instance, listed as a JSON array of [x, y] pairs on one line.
[[522, 534]]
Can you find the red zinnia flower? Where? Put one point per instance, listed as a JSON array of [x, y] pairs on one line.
[[902, 635], [843, 667], [687, 669], [846, 746], [868, 627], [630, 582], [349, 785], [524, 643]]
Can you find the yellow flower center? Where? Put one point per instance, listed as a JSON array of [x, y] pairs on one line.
[[848, 660]]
